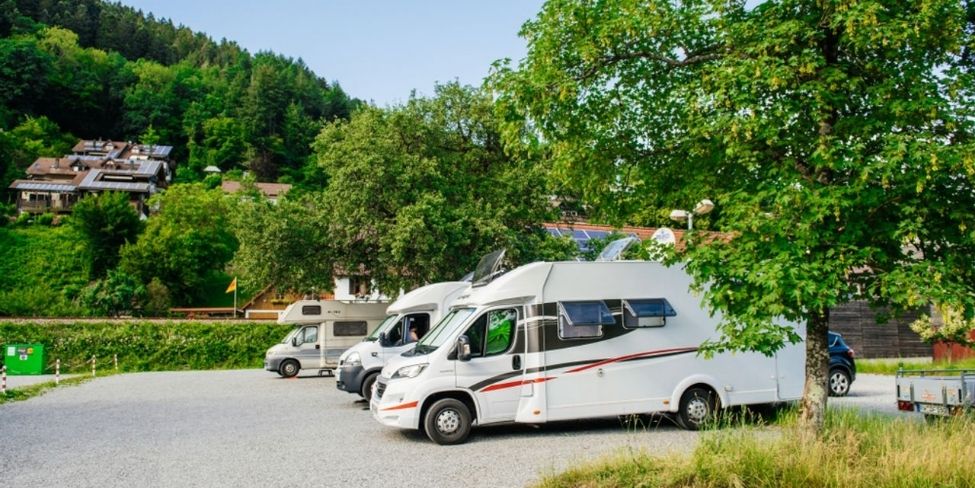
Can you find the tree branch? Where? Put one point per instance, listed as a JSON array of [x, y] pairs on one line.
[[696, 57]]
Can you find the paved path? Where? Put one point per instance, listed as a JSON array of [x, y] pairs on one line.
[[251, 428]]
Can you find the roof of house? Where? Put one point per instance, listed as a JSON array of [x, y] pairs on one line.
[[271, 190], [40, 185]]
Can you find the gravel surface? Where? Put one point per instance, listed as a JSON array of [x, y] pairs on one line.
[[251, 428], [20, 381], [873, 393]]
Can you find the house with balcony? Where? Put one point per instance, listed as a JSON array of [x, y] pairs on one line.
[[56, 184]]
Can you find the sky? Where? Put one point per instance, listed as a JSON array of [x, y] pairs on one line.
[[376, 50]]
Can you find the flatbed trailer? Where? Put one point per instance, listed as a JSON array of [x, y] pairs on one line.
[[936, 392]]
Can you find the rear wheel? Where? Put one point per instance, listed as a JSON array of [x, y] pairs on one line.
[[697, 407], [289, 368], [447, 422], [839, 382], [366, 390]]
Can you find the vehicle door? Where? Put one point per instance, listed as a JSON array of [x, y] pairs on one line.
[[399, 334], [494, 371], [308, 347]]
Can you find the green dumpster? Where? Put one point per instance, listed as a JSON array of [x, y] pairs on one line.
[[24, 358]]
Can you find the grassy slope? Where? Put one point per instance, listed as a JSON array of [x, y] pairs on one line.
[[891, 367], [42, 269], [856, 451]]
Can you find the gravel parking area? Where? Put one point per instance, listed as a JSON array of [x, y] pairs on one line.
[[251, 428], [21, 381], [872, 393]]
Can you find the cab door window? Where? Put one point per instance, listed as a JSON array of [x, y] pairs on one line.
[[492, 332], [309, 335], [416, 326]]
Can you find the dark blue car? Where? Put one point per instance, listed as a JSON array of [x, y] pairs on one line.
[[842, 366]]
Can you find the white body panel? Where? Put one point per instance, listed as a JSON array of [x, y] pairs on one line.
[[338, 325], [625, 371]]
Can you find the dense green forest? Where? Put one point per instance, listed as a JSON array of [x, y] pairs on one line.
[[91, 69]]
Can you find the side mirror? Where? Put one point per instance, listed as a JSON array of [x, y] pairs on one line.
[[294, 341], [463, 348], [383, 339]]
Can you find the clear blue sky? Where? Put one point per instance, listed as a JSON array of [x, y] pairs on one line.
[[377, 50]]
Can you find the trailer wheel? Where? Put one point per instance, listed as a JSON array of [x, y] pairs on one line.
[[289, 368], [366, 391], [697, 407], [448, 422], [839, 382]]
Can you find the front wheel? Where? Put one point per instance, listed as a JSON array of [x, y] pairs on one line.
[[289, 368], [697, 407], [366, 391], [448, 422], [839, 382]]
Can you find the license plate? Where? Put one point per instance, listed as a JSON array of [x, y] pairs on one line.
[[934, 410]]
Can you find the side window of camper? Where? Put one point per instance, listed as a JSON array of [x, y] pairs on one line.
[[583, 320], [310, 335], [652, 312], [395, 334], [346, 329], [311, 309], [416, 326], [492, 332]]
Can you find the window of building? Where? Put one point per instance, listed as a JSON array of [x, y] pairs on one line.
[[359, 286]]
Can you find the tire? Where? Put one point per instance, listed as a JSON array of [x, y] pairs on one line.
[[698, 407], [367, 383], [289, 368], [839, 382], [447, 422]]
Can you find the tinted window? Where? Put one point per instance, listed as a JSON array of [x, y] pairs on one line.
[[344, 329], [578, 320], [416, 325], [646, 313], [311, 309]]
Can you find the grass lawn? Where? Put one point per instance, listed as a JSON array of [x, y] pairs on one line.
[[42, 270], [857, 450], [878, 366]]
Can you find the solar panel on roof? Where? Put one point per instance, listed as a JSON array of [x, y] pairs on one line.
[[597, 234], [580, 234]]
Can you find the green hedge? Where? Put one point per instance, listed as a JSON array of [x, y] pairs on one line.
[[149, 346]]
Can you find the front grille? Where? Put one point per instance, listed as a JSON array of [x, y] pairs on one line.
[[380, 388]]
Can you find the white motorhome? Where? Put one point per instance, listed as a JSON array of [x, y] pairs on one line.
[[417, 311], [325, 329], [570, 340]]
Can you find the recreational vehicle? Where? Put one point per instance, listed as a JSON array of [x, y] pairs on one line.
[[412, 313], [325, 329], [569, 340]]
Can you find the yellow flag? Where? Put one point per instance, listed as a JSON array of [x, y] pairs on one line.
[[232, 287]]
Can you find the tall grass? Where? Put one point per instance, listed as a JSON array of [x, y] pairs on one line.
[[874, 366], [855, 451]]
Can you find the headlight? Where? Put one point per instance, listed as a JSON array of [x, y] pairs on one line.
[[353, 360], [410, 371]]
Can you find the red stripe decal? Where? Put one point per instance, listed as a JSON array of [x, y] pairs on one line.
[[510, 384], [631, 356], [400, 407]]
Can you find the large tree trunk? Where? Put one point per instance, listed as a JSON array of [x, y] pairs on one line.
[[812, 411]]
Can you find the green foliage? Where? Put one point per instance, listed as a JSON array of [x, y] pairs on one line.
[[188, 238], [832, 138], [44, 219], [42, 271], [105, 70], [32, 138], [418, 192], [856, 451], [106, 222], [149, 346], [116, 294], [158, 300], [953, 328], [287, 244]]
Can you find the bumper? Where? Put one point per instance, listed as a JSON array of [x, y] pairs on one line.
[[394, 408], [272, 363], [350, 378]]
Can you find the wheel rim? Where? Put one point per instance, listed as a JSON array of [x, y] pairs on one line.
[[448, 421], [289, 368], [838, 383], [697, 410]]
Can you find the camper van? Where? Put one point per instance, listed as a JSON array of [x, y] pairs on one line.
[[413, 313], [570, 340], [325, 329]]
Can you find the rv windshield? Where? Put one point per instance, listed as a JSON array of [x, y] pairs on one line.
[[381, 327], [439, 334], [287, 338]]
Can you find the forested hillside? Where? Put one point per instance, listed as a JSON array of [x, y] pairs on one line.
[[91, 69]]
